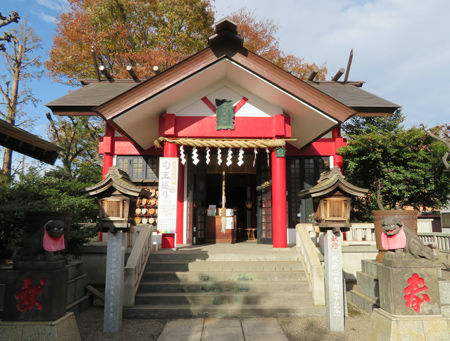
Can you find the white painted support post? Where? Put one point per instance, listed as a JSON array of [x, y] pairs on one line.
[[334, 290], [115, 257]]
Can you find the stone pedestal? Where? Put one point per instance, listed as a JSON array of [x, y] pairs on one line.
[[387, 327], [115, 257], [36, 294], [409, 290], [63, 329], [334, 289]]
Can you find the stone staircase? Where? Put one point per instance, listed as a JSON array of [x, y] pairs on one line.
[[195, 283], [365, 294]]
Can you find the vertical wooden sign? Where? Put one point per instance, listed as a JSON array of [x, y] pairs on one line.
[[167, 201]]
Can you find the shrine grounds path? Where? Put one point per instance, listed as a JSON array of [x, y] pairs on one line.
[[90, 325]]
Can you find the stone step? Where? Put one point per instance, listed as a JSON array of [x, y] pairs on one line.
[[367, 285], [224, 257], [74, 269], [370, 267], [223, 276], [225, 286], [221, 311], [241, 299], [176, 265], [362, 301], [80, 304], [76, 288]]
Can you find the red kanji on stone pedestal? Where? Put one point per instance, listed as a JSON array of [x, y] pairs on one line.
[[416, 285], [27, 297]]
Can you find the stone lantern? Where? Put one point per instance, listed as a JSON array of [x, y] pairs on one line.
[[117, 200], [117, 197], [332, 197]]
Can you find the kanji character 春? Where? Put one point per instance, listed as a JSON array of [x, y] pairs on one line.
[[416, 285], [27, 296]]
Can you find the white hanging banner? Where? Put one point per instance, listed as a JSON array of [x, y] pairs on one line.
[[167, 200]]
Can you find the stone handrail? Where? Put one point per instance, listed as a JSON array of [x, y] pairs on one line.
[[441, 240], [361, 232], [136, 264], [310, 257]]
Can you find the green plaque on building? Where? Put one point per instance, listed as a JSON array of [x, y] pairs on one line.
[[225, 114], [280, 152]]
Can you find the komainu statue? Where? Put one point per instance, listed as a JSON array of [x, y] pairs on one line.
[[402, 242], [44, 244]]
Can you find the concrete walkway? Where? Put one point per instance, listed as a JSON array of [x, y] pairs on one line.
[[213, 329]]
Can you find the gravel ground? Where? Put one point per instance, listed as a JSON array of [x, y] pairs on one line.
[[90, 325], [315, 328]]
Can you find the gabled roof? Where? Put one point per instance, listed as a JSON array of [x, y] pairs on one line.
[[28, 144], [117, 179], [134, 108], [329, 182]]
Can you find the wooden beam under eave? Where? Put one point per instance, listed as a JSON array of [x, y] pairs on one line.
[[74, 113], [373, 114]]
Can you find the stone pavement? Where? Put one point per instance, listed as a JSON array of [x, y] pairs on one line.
[[215, 329]]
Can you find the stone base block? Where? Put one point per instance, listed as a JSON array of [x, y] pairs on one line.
[[388, 327], [63, 329], [398, 295]]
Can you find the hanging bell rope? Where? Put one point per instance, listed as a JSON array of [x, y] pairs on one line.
[[223, 143]]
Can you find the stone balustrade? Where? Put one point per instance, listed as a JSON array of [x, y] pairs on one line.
[[441, 240]]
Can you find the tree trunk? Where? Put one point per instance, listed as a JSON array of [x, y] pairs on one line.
[[7, 161]]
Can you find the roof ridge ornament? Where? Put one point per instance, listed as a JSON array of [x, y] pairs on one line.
[[225, 32]]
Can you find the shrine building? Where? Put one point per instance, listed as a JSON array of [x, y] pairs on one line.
[[248, 137]]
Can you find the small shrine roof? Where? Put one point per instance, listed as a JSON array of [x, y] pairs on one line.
[[119, 180], [329, 182], [28, 144]]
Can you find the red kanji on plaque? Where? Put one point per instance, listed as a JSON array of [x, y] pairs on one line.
[[416, 285], [27, 296], [334, 241]]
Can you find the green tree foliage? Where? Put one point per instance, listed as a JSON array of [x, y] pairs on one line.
[[53, 191], [401, 167], [78, 137]]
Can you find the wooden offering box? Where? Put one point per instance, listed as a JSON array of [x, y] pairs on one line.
[[214, 232]]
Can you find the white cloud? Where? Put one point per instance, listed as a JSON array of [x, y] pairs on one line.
[[55, 5], [47, 18]]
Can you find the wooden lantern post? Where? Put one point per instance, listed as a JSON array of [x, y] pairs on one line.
[[332, 204]]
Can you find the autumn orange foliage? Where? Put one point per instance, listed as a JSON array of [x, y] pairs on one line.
[[145, 33]]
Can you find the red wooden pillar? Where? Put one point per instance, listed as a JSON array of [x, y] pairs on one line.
[[108, 148], [338, 143], [279, 214], [171, 150]]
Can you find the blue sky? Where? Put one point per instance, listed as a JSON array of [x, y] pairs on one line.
[[401, 47]]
